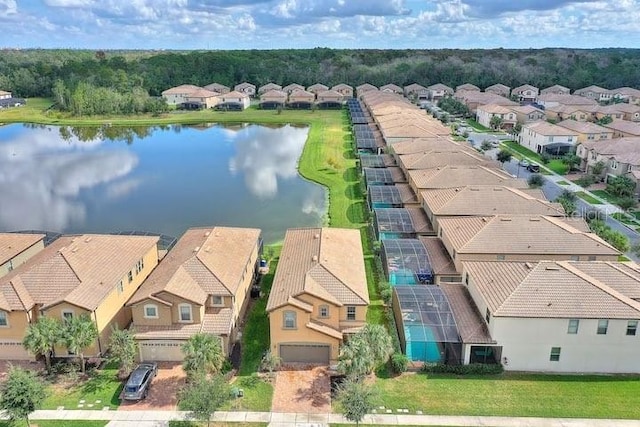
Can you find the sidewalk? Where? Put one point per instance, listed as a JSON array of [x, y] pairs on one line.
[[161, 418]]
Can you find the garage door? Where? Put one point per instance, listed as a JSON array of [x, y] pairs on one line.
[[161, 351], [13, 350], [305, 353]]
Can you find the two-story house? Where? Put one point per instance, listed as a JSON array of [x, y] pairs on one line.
[[178, 95], [622, 128], [293, 87], [621, 157], [527, 114], [556, 89], [596, 93], [467, 87], [269, 87], [499, 89], [218, 87], [317, 88], [344, 89], [542, 137], [438, 91], [17, 248], [272, 99], [485, 113], [525, 94], [319, 294], [392, 88], [202, 285], [587, 131], [92, 275], [627, 94], [417, 91], [248, 89], [235, 100]]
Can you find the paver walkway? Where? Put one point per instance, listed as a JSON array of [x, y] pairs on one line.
[[160, 418]]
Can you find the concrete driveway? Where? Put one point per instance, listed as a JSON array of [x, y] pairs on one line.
[[302, 390], [163, 394]]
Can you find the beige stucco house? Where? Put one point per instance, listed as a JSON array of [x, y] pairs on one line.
[[627, 94], [17, 248], [438, 91], [178, 95], [556, 89], [554, 99], [499, 89], [485, 113], [235, 100], [468, 87], [622, 128], [218, 87], [268, 87], [595, 92], [559, 316], [527, 113], [89, 274], [246, 88], [417, 91], [392, 88], [621, 157], [546, 137], [202, 285], [364, 88], [273, 99], [329, 96], [473, 99], [5, 95], [318, 87], [587, 131], [293, 87], [344, 89], [526, 93], [620, 111], [203, 98], [319, 294]]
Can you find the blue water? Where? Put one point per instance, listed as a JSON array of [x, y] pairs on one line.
[[157, 179]]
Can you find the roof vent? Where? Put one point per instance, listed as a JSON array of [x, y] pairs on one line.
[[74, 249], [552, 268], [196, 249], [316, 236], [505, 219], [314, 258], [534, 219], [207, 249], [497, 189], [206, 233], [528, 265], [88, 239], [474, 189]]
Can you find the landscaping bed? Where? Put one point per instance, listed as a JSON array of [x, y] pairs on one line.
[[588, 198]]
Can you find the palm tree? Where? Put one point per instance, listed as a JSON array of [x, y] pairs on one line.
[[365, 351], [379, 342], [202, 354], [42, 336], [79, 333]]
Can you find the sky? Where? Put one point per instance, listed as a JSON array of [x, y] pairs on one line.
[[284, 24]]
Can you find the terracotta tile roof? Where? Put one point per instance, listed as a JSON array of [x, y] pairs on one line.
[[330, 259], [440, 86], [318, 87], [460, 176], [625, 126], [274, 94], [366, 86], [419, 220], [525, 109], [202, 93], [341, 86], [523, 88], [627, 91], [468, 87], [530, 235], [583, 127], [215, 321], [483, 98], [217, 87], [566, 99], [420, 145], [439, 258], [487, 200], [414, 87], [624, 150], [12, 244], [542, 127], [298, 94], [572, 109], [81, 270], [555, 89], [498, 86], [392, 87], [592, 88], [234, 94], [205, 261], [324, 329], [182, 89], [434, 159], [548, 289], [471, 326], [534, 192], [407, 195], [494, 109]]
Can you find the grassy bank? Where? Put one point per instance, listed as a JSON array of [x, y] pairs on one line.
[[520, 152]]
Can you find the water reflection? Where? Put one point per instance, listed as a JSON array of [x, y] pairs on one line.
[[162, 179]]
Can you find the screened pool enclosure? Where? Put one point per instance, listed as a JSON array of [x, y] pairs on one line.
[[406, 262]]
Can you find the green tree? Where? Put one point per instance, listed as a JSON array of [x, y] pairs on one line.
[[123, 348], [79, 333], [20, 394], [605, 120], [203, 396], [568, 200], [496, 122], [516, 129], [202, 355], [571, 160], [503, 156], [356, 398], [366, 350], [486, 145], [41, 337], [598, 168], [627, 203], [606, 233], [621, 186], [535, 180]]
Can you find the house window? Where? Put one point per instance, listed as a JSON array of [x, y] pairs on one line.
[[67, 315], [500, 257], [603, 325], [466, 279], [151, 311], [130, 276], [351, 312], [217, 300], [555, 354], [574, 324], [289, 320], [570, 139], [632, 327], [140, 266], [4, 319], [550, 139], [575, 257], [614, 164], [120, 287], [487, 316], [629, 168], [324, 311], [591, 258], [185, 312]]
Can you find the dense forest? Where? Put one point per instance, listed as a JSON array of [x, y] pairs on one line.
[[29, 73]]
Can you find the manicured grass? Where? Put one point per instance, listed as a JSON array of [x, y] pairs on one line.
[[257, 396], [198, 424], [605, 195], [102, 385], [59, 423], [588, 198], [555, 165], [562, 183], [513, 395], [477, 126]]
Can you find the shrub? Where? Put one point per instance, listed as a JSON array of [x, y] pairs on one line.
[[227, 366], [385, 293], [545, 157], [536, 180], [471, 369], [250, 381], [399, 363], [585, 181], [627, 203]]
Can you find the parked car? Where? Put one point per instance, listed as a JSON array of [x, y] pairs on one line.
[[533, 167], [139, 382], [524, 163]]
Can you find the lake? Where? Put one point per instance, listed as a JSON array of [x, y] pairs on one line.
[[161, 179]]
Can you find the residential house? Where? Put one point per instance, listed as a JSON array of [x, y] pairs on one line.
[[467, 87], [622, 128], [364, 88], [556, 89], [486, 113], [621, 157], [527, 113], [416, 91], [521, 238], [217, 87], [292, 87], [272, 99], [627, 94], [587, 131], [18, 248], [344, 89], [234, 100], [421, 145], [329, 99], [434, 159], [438, 91], [178, 95], [473, 99], [558, 316], [580, 113], [201, 286], [391, 88], [317, 88], [201, 98], [553, 100], [483, 200], [546, 137], [620, 111], [595, 92], [525, 94], [93, 275], [5, 95], [268, 87], [301, 99], [499, 89], [319, 294], [246, 88]]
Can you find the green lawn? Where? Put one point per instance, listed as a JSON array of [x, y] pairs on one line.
[[588, 198], [257, 396], [555, 165], [562, 183], [605, 195], [103, 386], [513, 395], [477, 126]]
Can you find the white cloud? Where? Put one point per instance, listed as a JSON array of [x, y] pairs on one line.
[[8, 7]]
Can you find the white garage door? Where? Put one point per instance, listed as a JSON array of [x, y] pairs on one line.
[[305, 353], [160, 351], [13, 350]]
